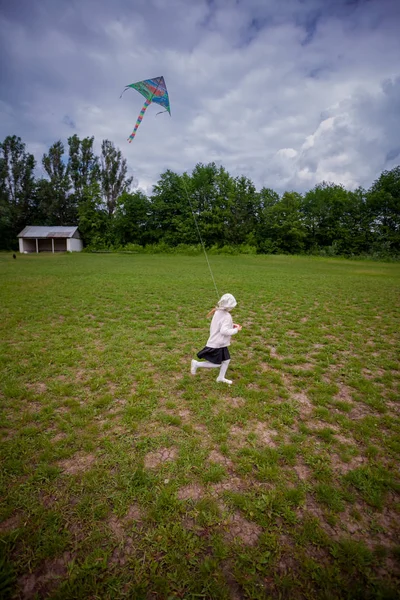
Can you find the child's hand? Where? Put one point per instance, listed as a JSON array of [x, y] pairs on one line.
[[237, 326]]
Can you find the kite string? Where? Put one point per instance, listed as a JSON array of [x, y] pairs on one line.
[[201, 239]]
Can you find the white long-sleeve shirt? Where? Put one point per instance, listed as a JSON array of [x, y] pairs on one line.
[[221, 330]]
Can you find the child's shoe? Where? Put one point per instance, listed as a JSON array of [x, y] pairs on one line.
[[193, 367], [223, 380]]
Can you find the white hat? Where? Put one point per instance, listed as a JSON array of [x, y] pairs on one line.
[[227, 302]]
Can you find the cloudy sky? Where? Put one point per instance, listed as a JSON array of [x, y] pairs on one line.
[[286, 92]]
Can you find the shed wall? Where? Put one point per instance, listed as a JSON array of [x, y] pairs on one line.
[[74, 245]]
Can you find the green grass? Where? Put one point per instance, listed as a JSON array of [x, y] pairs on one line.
[[122, 476]]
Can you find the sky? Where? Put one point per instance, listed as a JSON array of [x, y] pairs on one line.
[[289, 93]]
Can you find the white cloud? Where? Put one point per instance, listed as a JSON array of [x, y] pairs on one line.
[[287, 93]]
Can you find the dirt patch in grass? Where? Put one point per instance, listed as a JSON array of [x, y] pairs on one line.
[[34, 407], [393, 407], [193, 491], [62, 410], [44, 580], [312, 509], [274, 354], [237, 436], [79, 463], [134, 514], [265, 367], [117, 405], [11, 523], [185, 415], [359, 411], [112, 387], [122, 553], [59, 436], [116, 527], [117, 430], [235, 402], [303, 367], [239, 528], [304, 404], [264, 434], [202, 430], [217, 457], [344, 467], [81, 376], [152, 460], [344, 394], [361, 524], [235, 591], [38, 387], [233, 484], [344, 439], [48, 500], [302, 471], [7, 434]]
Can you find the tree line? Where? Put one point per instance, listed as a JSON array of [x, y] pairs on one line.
[[95, 192]]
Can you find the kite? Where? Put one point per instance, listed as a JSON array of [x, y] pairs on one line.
[[154, 90]]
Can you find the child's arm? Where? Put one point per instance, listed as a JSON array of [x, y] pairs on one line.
[[228, 328]]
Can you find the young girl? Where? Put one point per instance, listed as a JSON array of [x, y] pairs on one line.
[[222, 328]]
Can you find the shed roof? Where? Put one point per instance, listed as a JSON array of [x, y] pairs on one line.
[[33, 231]]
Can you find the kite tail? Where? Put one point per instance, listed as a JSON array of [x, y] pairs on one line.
[[139, 120]]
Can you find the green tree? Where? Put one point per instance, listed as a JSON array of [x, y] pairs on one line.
[[131, 219], [356, 224], [265, 238], [83, 166], [113, 175], [94, 221], [244, 212], [286, 229], [212, 194], [323, 208], [57, 204], [18, 204], [171, 220], [383, 201]]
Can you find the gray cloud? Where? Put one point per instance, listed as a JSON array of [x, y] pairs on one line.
[[288, 93]]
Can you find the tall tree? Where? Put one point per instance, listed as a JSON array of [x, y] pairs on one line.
[[384, 203], [114, 180], [17, 189], [356, 224], [171, 220], [244, 212], [322, 209], [211, 189], [94, 221], [83, 165], [131, 219], [285, 224], [57, 203], [268, 198]]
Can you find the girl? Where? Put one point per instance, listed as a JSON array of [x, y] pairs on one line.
[[222, 328]]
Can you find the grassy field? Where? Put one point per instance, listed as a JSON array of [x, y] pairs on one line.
[[123, 476]]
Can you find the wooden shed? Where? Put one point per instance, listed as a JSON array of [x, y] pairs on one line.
[[49, 239]]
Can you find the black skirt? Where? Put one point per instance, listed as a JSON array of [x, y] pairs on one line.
[[214, 355]]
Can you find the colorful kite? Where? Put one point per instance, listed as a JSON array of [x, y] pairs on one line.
[[154, 90]]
